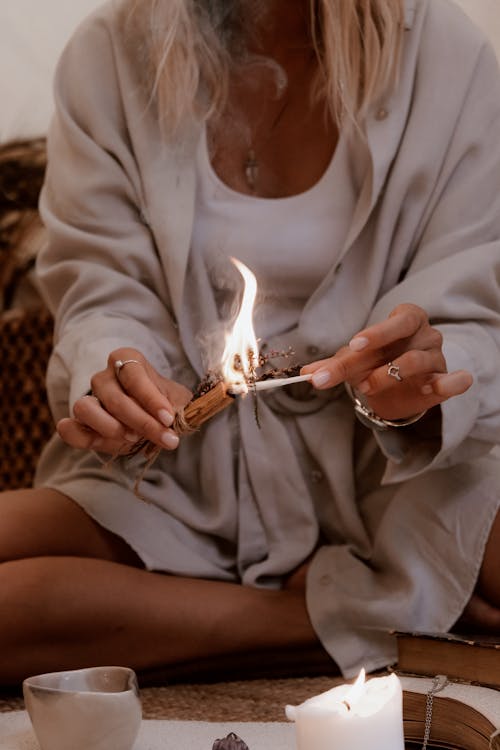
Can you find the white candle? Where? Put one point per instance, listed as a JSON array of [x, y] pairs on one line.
[[364, 716]]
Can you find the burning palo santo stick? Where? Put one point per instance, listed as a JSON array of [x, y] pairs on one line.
[[240, 360], [205, 407]]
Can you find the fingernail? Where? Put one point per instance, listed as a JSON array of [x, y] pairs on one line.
[[426, 390], [165, 417], [170, 440], [320, 378], [454, 383], [131, 437], [358, 343]]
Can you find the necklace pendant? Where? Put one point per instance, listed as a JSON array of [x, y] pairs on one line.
[[251, 168]]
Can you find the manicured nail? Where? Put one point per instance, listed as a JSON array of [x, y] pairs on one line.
[[320, 378], [131, 437], [165, 417], [358, 343], [426, 390], [454, 383], [170, 440]]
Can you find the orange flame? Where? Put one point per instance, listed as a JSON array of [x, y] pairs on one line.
[[240, 356]]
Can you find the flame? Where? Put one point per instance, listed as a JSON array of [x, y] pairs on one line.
[[240, 356], [355, 691]]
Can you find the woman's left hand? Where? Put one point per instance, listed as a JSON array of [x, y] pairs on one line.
[[397, 365]]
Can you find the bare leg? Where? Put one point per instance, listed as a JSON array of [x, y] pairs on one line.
[[60, 613], [70, 596], [42, 522], [482, 613], [489, 578]]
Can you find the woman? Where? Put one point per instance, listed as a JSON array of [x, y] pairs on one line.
[[349, 154]]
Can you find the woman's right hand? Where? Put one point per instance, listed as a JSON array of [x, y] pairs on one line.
[[132, 404]]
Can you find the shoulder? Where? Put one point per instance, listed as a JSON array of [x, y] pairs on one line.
[[98, 31], [449, 35], [96, 72], [450, 55]]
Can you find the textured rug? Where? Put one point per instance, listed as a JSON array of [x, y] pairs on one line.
[[240, 701]]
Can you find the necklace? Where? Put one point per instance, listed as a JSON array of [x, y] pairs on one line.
[[251, 164]]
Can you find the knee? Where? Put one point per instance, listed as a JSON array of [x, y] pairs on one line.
[[15, 526], [28, 527]]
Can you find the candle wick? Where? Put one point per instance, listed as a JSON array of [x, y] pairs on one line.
[[347, 705]]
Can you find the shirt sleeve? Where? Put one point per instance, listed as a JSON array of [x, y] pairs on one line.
[[99, 272], [454, 275]]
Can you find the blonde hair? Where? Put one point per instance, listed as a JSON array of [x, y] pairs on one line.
[[189, 47]]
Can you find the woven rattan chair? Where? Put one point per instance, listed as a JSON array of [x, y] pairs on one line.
[[26, 423], [25, 323]]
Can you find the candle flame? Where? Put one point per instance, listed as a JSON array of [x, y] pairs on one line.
[[240, 357], [355, 691], [349, 703]]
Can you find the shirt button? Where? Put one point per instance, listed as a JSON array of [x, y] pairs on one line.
[[381, 114], [313, 350], [316, 476], [325, 580]]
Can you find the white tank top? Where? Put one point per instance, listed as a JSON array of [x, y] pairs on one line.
[[289, 243]]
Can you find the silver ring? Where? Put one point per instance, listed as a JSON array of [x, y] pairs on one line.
[[393, 371], [121, 363]]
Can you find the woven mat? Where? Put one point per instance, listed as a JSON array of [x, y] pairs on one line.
[[250, 700]]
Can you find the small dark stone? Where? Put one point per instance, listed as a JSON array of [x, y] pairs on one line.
[[231, 742]]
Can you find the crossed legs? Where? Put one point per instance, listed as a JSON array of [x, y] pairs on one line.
[[73, 594]]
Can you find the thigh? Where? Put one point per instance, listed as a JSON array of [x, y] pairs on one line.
[[489, 577], [44, 522]]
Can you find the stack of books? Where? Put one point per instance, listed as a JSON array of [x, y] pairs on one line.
[[451, 690]]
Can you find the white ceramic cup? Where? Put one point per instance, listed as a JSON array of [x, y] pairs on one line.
[[84, 709]]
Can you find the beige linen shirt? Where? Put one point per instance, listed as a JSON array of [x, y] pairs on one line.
[[396, 524]]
